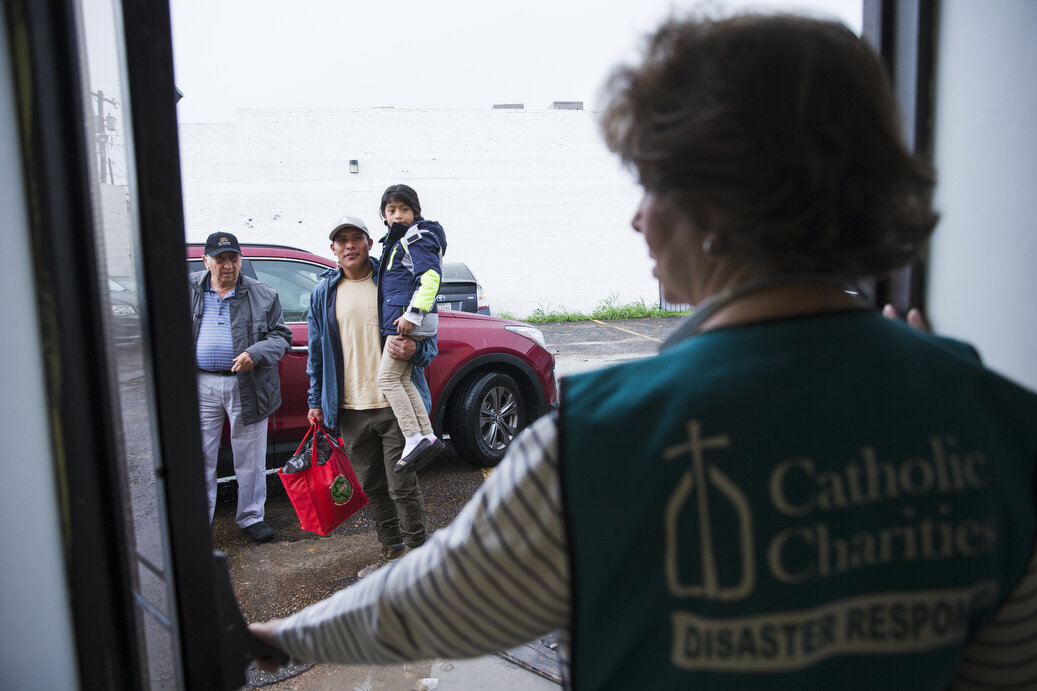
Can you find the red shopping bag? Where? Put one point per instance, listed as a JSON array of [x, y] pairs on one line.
[[325, 493]]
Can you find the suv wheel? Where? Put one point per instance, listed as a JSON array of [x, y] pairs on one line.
[[486, 416]]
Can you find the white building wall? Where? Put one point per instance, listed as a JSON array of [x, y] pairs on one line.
[[983, 277], [531, 200], [114, 209]]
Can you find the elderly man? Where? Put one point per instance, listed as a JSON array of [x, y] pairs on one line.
[[239, 336]]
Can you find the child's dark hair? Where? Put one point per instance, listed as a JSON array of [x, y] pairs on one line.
[[401, 194]]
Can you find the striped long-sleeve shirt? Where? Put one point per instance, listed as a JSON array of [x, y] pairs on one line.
[[498, 576]]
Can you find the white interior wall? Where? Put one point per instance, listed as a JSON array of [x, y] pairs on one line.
[[983, 275], [36, 642]]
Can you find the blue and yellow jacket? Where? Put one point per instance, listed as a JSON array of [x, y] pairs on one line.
[[409, 272]]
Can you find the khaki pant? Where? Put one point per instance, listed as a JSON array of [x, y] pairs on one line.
[[373, 443], [396, 385]]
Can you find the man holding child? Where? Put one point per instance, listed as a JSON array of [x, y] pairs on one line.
[[345, 350]]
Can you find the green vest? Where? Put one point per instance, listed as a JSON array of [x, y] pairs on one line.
[[826, 502]]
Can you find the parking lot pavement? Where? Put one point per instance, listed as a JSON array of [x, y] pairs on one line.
[[588, 345]]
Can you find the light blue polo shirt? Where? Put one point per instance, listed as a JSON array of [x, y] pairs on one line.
[[215, 348]]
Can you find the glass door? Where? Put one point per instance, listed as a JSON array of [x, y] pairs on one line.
[[97, 143]]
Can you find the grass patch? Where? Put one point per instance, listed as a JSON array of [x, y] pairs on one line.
[[609, 308], [546, 314]]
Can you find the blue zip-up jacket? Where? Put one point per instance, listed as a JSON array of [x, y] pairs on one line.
[[411, 270], [324, 363]]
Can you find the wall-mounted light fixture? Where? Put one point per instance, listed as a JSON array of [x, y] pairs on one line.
[[354, 165]]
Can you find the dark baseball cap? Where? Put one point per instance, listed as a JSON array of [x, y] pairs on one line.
[[348, 222], [218, 243]]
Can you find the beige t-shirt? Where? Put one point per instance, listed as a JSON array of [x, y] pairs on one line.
[[356, 309]]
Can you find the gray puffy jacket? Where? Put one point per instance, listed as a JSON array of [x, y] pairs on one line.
[[256, 325]]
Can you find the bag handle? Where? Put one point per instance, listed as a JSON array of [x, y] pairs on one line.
[[331, 440], [304, 438], [313, 447]]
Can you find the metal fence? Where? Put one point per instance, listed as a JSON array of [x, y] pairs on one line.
[[672, 306]]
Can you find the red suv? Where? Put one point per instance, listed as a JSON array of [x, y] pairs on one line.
[[491, 378]]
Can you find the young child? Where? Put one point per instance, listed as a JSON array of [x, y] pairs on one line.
[[408, 282]]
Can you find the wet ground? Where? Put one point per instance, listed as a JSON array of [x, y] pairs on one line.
[[587, 345], [298, 568]]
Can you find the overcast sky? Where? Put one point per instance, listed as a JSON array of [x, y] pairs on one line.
[[420, 53]]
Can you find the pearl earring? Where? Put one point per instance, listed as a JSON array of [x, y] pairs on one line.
[[709, 250]]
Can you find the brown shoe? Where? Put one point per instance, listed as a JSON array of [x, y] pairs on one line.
[[389, 553]]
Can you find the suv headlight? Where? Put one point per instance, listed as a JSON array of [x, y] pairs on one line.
[[531, 332]]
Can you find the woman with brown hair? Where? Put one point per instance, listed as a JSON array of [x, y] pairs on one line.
[[796, 492]]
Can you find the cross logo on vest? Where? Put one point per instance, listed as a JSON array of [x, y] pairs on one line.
[[693, 486]]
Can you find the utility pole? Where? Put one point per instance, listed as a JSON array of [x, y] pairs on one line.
[[100, 123]]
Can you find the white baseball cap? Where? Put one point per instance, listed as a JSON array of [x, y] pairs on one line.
[[348, 222]]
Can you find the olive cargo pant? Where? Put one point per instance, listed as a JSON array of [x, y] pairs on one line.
[[373, 443]]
